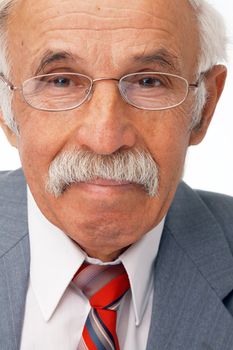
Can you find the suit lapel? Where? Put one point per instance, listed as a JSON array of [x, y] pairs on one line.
[[14, 259], [193, 273]]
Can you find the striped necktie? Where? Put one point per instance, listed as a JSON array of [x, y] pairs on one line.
[[104, 286]]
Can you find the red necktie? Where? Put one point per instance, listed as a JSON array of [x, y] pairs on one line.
[[104, 286]]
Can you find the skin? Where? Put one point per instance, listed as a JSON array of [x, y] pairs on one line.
[[104, 37]]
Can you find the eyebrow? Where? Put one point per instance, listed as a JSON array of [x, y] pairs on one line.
[[51, 57], [161, 56]]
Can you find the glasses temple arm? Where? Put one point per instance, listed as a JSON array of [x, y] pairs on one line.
[[10, 86], [199, 81]]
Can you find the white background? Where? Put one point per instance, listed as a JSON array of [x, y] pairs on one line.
[[210, 165]]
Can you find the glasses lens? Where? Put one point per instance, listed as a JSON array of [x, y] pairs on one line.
[[153, 91], [58, 91]]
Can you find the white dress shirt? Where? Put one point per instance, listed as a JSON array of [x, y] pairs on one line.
[[55, 312]]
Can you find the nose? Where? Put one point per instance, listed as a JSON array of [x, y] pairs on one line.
[[107, 124]]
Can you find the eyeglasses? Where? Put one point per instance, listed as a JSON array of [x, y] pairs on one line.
[[152, 91]]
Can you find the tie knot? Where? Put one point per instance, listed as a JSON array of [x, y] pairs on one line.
[[103, 285]]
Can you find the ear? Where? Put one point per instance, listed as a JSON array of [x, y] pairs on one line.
[[214, 82], [10, 134]]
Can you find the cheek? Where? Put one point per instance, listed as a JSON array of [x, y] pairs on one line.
[[168, 146], [41, 135], [35, 150], [38, 144], [168, 140], [171, 163]]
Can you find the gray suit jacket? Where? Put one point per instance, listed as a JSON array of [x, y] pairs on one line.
[[193, 274]]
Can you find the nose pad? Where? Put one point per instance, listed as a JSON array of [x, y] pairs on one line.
[[89, 93], [123, 94]]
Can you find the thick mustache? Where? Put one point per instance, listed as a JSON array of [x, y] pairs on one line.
[[77, 165]]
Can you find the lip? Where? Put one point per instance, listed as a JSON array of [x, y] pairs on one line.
[[101, 187], [105, 182]]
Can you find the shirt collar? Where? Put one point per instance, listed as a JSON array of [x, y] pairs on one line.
[[138, 261], [55, 258]]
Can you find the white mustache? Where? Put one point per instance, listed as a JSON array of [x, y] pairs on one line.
[[77, 165]]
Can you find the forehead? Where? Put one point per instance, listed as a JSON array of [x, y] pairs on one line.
[[104, 33]]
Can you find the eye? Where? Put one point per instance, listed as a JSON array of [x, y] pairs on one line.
[[150, 82], [60, 81]]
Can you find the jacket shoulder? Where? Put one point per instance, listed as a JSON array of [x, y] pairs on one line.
[[13, 209], [221, 207], [216, 201], [12, 184], [11, 175]]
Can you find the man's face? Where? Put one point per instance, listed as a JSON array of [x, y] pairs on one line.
[[106, 39]]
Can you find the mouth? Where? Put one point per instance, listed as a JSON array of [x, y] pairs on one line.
[[104, 187], [105, 182]]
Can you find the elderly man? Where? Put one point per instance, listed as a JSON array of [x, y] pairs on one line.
[[102, 246]]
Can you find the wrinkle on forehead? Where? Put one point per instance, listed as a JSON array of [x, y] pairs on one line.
[[107, 14], [105, 28]]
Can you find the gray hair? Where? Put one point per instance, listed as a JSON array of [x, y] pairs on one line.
[[213, 50]]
